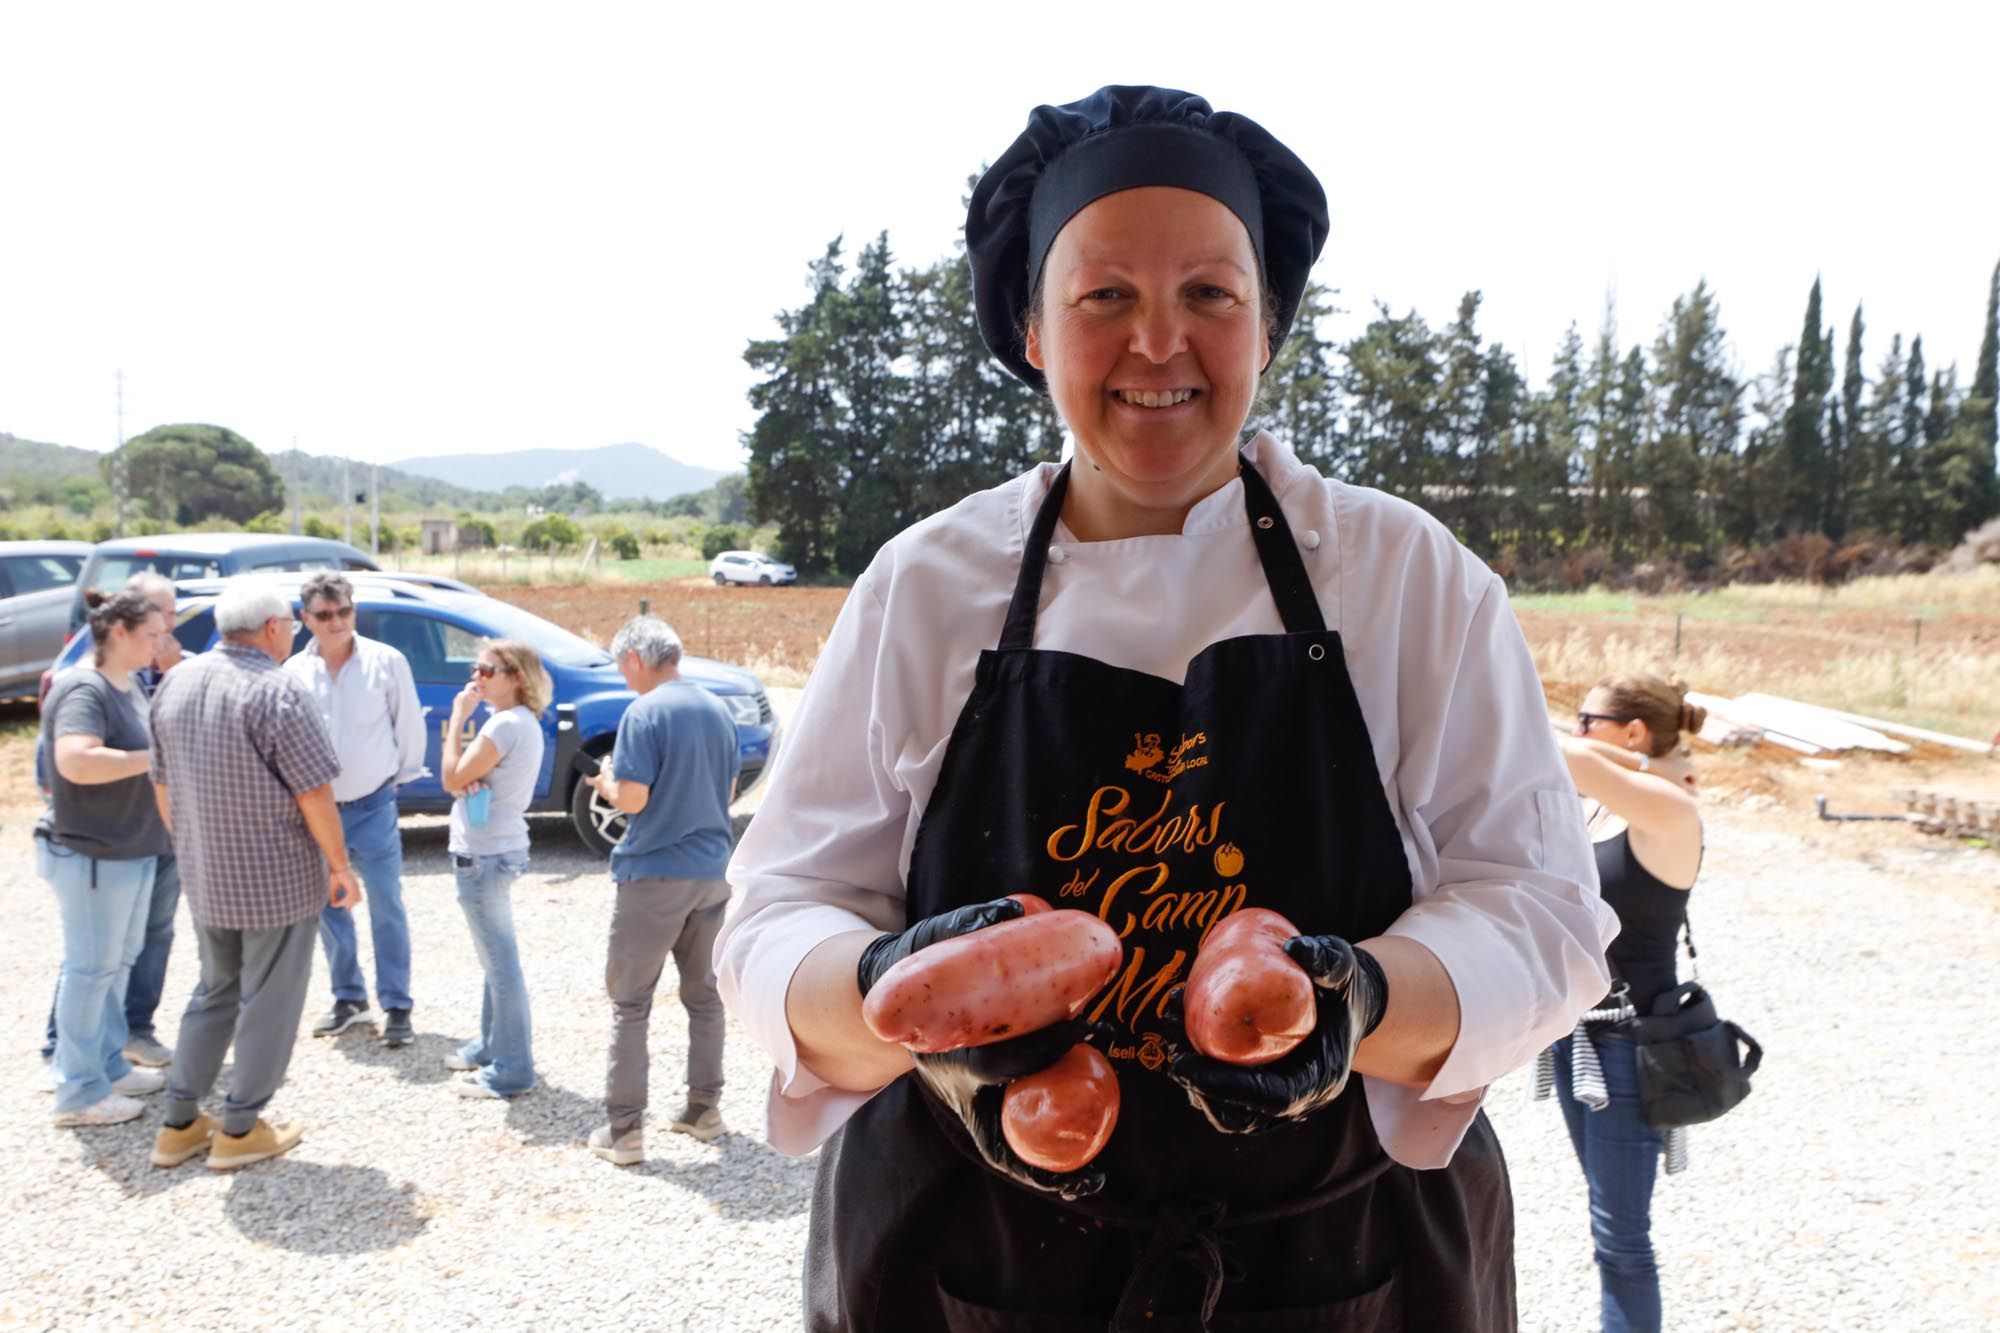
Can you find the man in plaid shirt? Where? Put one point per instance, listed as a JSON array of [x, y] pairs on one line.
[[244, 770]]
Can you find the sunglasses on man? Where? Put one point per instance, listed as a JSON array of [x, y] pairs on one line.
[[332, 613]]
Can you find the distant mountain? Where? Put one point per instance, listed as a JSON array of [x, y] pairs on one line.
[[21, 458], [617, 471]]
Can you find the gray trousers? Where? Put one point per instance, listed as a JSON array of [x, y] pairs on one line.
[[252, 992], [652, 918]]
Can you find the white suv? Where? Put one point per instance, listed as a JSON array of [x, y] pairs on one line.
[[749, 567]]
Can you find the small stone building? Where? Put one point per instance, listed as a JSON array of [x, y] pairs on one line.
[[439, 536]]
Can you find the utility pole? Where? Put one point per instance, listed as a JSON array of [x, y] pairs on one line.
[[346, 504], [119, 486], [295, 485], [374, 511]]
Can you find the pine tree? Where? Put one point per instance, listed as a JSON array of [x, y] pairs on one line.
[[1389, 390], [1299, 399], [1700, 418], [794, 470]]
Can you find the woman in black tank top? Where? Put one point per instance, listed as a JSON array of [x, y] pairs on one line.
[[1638, 792]]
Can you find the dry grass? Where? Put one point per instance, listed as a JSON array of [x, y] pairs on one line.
[[1949, 687], [1910, 594]]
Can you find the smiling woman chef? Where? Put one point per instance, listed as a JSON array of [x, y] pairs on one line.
[[1172, 679]]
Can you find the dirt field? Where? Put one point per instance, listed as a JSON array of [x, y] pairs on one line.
[[778, 633]]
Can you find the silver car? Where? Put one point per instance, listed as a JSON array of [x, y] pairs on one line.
[[37, 582]]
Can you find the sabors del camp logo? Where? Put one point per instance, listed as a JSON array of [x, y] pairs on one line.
[[1155, 764]]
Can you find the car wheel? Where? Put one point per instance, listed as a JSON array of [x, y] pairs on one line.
[[598, 824], [719, 579], [764, 579]]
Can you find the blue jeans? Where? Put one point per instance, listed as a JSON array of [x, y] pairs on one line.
[[1620, 1155], [149, 973], [103, 925], [375, 846], [502, 1050]]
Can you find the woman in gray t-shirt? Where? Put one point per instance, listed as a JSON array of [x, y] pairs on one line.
[[494, 779], [97, 846]]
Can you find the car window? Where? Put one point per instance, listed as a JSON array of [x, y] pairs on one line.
[[38, 573], [112, 571], [440, 653]]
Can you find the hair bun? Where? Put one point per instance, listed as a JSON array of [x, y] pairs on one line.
[[1692, 716], [95, 597]]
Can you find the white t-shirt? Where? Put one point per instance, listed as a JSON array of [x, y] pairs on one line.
[[1504, 884], [517, 735]]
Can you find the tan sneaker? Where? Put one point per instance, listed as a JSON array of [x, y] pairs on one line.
[[171, 1147], [265, 1140], [702, 1122], [627, 1149]]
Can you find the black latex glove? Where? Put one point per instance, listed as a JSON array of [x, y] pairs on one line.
[[972, 1079], [1351, 994]]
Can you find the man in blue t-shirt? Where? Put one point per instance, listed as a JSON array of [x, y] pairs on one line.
[[673, 772]]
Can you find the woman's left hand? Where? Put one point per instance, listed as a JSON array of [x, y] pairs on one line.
[[1351, 994]]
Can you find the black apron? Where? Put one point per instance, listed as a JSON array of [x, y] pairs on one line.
[[1162, 808]]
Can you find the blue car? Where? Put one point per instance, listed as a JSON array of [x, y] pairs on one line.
[[439, 630]]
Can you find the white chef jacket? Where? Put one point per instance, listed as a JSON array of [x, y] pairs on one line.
[[1504, 883], [371, 711]]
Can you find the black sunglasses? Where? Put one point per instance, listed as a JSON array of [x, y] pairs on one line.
[[332, 613], [1584, 719]]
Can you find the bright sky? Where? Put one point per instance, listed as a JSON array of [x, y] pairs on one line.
[[401, 229]]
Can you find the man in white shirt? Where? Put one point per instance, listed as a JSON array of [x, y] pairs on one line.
[[368, 700]]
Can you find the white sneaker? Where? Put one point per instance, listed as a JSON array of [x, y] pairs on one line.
[[140, 1082], [113, 1110], [51, 1076]]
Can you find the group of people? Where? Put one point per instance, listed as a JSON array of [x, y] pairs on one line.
[[261, 785], [1182, 627]]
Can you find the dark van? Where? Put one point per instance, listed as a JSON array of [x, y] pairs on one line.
[[209, 555]]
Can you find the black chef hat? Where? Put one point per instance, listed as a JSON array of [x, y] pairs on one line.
[[1122, 138]]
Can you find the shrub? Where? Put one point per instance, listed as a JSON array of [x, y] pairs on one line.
[[723, 537], [550, 528], [319, 527], [476, 533], [268, 521], [100, 531], [625, 545]]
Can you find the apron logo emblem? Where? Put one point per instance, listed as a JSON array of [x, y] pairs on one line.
[[1147, 756], [1228, 860]]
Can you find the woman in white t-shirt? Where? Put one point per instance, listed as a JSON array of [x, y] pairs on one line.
[[494, 779]]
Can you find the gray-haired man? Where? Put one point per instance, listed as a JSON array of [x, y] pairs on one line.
[[672, 773], [244, 770]]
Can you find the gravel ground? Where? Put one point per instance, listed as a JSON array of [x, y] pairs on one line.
[[1853, 1191]]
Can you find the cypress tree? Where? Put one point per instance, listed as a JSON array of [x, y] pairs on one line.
[[1848, 454], [1804, 465]]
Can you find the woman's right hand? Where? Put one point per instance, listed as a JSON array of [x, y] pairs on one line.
[[971, 1080], [465, 702]]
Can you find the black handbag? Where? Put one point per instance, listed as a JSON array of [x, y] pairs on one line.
[[1691, 1065]]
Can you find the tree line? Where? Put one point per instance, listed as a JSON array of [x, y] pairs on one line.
[[878, 404]]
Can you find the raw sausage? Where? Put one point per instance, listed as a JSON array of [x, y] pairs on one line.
[[1247, 1002], [1062, 1117], [999, 982]]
